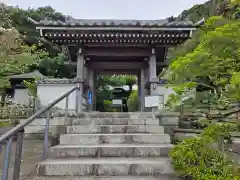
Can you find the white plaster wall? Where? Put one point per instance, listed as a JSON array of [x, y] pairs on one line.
[[47, 93], [21, 96]]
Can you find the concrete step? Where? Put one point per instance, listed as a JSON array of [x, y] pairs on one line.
[[112, 121], [111, 150], [85, 139], [106, 167], [118, 115], [78, 129], [166, 177]]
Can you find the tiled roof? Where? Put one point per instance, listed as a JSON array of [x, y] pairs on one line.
[[114, 23], [34, 74], [57, 81]]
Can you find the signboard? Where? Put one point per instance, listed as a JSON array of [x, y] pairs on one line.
[[153, 101], [89, 97], [117, 101]]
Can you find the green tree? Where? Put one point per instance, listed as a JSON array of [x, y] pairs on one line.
[[216, 56], [14, 57]]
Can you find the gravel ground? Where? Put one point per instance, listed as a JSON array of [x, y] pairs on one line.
[[32, 154]]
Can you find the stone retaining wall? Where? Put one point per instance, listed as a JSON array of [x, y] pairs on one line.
[[181, 134], [169, 120]]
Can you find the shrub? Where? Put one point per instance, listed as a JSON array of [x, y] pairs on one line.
[[107, 106], [203, 157], [132, 101]]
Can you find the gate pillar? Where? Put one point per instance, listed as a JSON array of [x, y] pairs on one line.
[[80, 81], [153, 79]]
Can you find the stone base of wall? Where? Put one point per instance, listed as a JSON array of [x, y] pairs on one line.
[[36, 129]]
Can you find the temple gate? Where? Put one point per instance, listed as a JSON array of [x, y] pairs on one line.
[[136, 47]]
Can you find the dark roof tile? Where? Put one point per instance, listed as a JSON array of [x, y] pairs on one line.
[[112, 22], [57, 81]]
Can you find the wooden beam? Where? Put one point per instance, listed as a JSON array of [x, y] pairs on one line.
[[114, 45], [116, 28], [117, 71], [117, 65], [119, 52]]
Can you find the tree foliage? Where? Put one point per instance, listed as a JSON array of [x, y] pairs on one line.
[[19, 44], [208, 61], [217, 56], [15, 58]]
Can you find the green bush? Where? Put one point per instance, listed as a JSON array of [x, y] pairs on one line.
[[107, 106], [132, 101], [204, 158]]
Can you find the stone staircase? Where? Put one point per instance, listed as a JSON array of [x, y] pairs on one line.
[[110, 146]]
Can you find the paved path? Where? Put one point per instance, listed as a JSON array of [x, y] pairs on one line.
[[31, 156]]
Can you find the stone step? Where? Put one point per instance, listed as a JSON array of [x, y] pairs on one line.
[[78, 129], [112, 121], [106, 167], [166, 177], [57, 121], [117, 115], [85, 139], [111, 150]]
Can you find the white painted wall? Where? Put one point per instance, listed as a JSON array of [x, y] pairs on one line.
[[21, 96], [50, 92]]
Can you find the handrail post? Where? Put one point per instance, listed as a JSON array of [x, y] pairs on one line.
[[77, 97], [66, 107], [18, 155], [7, 158], [46, 132]]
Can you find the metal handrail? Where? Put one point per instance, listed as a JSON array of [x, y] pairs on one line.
[[19, 131], [32, 118]]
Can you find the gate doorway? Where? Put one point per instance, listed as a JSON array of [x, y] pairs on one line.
[[115, 93]]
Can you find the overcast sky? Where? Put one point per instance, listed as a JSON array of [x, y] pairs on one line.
[[112, 9]]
